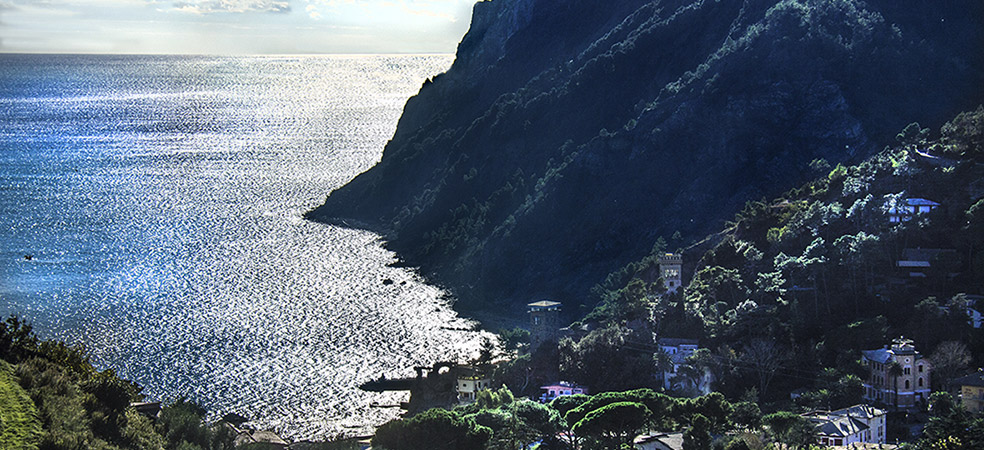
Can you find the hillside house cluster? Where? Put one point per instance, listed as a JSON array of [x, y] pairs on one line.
[[899, 375]]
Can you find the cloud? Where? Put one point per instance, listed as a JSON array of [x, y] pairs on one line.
[[447, 10], [313, 12], [232, 6]]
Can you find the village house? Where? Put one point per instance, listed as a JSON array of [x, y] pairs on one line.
[[837, 430], [679, 350], [469, 382], [560, 389], [659, 441], [915, 262], [972, 391], [974, 315], [910, 208], [848, 426], [898, 375]]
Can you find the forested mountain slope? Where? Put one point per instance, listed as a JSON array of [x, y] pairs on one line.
[[570, 134]]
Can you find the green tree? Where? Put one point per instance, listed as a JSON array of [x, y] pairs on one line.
[[565, 403], [615, 424], [436, 429], [540, 422], [698, 436], [17, 340], [746, 415], [948, 359], [964, 135], [894, 370], [182, 425], [764, 357], [950, 426], [516, 339], [716, 410], [789, 428], [590, 360]]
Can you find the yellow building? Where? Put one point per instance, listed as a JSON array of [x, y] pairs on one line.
[[972, 391]]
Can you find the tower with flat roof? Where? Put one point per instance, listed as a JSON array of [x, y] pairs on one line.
[[671, 269], [544, 322]]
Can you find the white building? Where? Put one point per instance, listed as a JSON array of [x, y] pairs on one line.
[[857, 424], [909, 208], [469, 382], [560, 389], [679, 350]]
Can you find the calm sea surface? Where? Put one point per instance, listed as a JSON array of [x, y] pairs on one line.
[[161, 199]]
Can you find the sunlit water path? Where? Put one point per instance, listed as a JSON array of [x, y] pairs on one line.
[[161, 200]]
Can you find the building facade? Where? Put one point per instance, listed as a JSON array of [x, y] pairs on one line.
[[848, 426], [909, 208], [560, 389], [972, 391], [899, 375], [544, 322], [468, 388], [678, 351], [671, 269]]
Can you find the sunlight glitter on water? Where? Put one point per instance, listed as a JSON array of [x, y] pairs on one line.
[[163, 204]]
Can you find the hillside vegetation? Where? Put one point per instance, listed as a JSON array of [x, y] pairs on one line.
[[51, 397], [19, 423], [795, 287], [569, 136]]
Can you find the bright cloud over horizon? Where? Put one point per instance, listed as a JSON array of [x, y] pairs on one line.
[[233, 26]]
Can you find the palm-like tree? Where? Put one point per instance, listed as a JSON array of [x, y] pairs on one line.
[[895, 371]]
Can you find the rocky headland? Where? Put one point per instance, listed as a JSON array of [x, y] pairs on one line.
[[569, 135]]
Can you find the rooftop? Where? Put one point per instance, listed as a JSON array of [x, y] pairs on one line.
[[670, 440], [974, 379], [920, 202], [861, 411], [833, 425], [544, 304], [562, 384], [674, 342]]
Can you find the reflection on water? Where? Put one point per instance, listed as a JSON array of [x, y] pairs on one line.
[[160, 199]]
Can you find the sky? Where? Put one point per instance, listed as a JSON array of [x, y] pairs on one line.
[[233, 26]]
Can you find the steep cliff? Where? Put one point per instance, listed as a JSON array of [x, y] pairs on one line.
[[569, 134]]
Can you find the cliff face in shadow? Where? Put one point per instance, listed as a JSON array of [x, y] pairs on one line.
[[569, 134]]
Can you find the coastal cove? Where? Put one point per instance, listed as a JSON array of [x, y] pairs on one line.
[[152, 210]]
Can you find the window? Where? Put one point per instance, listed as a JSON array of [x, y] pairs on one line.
[[907, 384], [906, 371], [920, 382], [920, 368]]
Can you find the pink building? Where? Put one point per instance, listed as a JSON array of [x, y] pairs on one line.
[[560, 389]]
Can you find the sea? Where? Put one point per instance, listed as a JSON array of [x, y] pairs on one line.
[[151, 209]]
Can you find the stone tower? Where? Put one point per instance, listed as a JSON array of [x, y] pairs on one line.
[[670, 268], [544, 322]]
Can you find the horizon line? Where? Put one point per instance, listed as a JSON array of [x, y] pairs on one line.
[[272, 55]]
